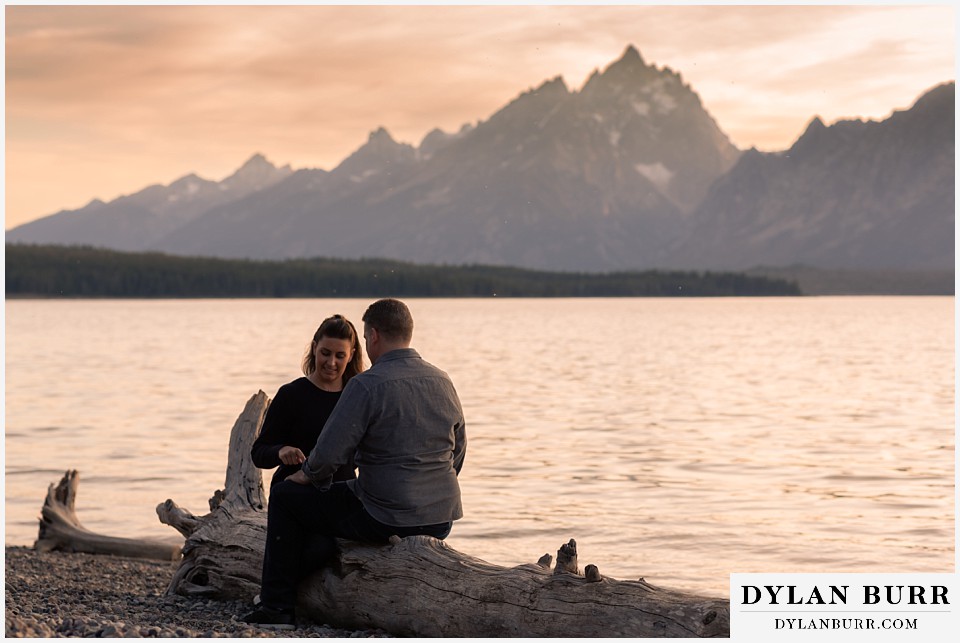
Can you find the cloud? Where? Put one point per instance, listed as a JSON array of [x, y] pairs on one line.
[[165, 90]]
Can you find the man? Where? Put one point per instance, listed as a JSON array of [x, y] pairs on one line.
[[403, 421]]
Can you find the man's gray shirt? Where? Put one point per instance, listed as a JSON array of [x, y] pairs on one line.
[[403, 421]]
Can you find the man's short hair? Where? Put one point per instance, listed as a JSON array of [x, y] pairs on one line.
[[391, 318]]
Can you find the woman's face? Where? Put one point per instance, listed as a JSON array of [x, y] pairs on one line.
[[332, 356]]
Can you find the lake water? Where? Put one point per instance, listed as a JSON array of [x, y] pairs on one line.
[[675, 439]]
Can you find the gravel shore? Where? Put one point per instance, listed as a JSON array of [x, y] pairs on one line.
[[80, 595]]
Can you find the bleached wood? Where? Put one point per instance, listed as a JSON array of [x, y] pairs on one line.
[[420, 586], [223, 552], [60, 529]]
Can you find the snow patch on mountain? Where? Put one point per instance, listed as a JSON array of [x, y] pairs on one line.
[[657, 173], [360, 178], [665, 102], [641, 107]]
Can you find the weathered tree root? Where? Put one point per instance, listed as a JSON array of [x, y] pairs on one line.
[[60, 529], [567, 559]]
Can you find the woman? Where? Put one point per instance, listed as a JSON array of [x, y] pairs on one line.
[[300, 408]]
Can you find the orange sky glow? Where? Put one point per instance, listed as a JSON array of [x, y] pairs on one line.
[[102, 101]]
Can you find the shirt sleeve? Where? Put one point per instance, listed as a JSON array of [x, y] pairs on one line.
[[459, 445], [459, 434], [265, 451], [340, 435]]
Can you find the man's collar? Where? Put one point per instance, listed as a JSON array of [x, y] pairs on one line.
[[398, 353]]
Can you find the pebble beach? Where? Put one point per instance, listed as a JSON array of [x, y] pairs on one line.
[[57, 594]]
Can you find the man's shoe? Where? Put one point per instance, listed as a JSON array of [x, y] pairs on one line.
[[272, 619]]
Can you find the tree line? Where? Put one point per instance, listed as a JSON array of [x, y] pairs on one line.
[[85, 271]]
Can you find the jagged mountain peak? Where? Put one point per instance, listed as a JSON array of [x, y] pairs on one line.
[[816, 124], [380, 151], [185, 187], [631, 75], [549, 90], [255, 162], [936, 97], [435, 132], [380, 136], [257, 172], [531, 105], [933, 103], [437, 138], [630, 61], [814, 135], [631, 56], [381, 143], [858, 193], [555, 85], [193, 177]]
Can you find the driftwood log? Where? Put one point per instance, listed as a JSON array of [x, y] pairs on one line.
[[419, 586], [60, 529], [223, 552]]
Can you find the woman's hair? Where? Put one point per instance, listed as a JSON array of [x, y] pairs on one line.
[[336, 327]]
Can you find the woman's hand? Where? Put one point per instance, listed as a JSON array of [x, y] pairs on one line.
[[291, 455]]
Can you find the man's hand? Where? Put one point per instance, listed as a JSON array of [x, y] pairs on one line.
[[299, 477], [291, 455]]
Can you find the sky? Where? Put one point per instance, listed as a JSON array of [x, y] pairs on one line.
[[102, 101]]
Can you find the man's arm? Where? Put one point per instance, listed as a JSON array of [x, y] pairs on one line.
[[459, 445], [459, 434], [340, 435]]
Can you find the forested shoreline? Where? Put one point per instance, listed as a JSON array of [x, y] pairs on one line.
[[52, 271]]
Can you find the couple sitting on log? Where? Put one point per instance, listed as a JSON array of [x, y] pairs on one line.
[[399, 422]]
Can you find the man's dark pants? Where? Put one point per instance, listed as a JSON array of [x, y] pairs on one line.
[[302, 526]]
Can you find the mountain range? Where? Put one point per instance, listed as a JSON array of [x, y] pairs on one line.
[[628, 172]]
